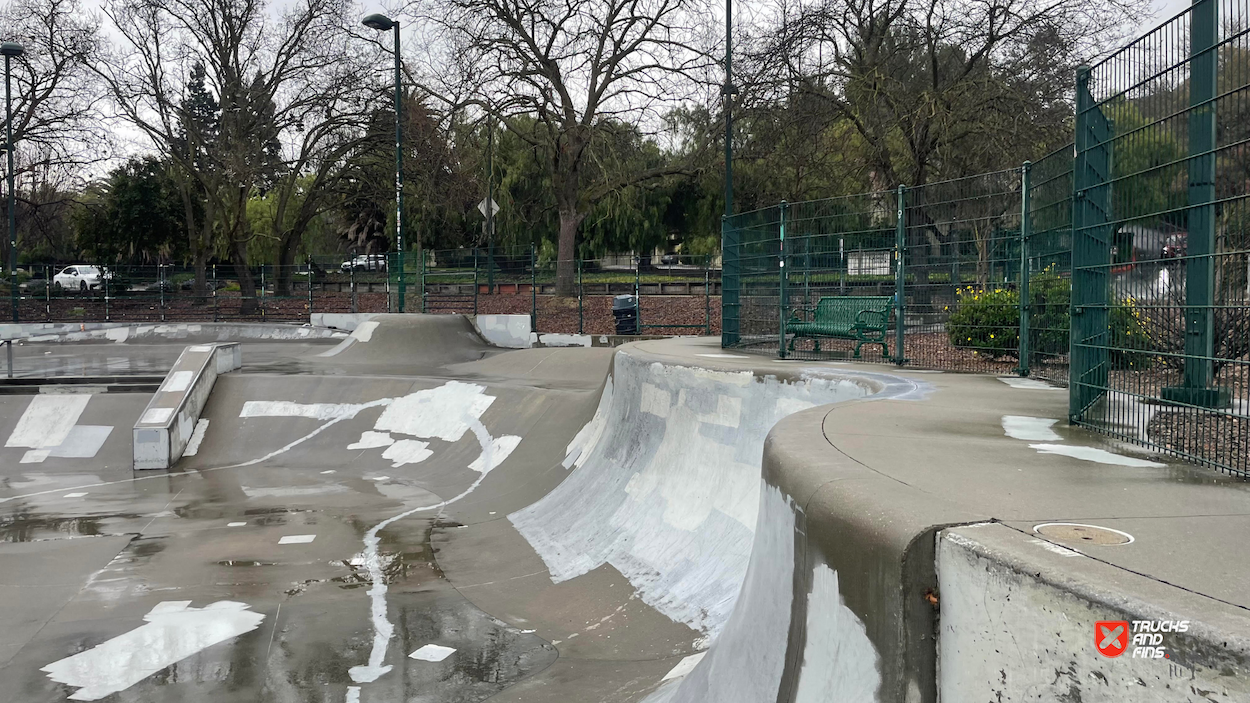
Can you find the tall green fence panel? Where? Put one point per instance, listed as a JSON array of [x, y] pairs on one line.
[[1161, 255]]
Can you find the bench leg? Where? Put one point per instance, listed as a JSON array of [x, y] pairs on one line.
[[816, 344], [885, 351], [858, 344]]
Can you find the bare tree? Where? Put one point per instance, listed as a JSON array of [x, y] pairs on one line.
[[577, 68], [56, 117], [217, 86], [941, 87]]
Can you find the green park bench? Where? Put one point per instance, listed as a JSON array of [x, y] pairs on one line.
[[861, 318]]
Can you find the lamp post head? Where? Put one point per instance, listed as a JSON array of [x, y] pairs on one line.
[[378, 22], [9, 48]]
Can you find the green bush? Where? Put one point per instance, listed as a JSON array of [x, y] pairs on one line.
[[986, 321]]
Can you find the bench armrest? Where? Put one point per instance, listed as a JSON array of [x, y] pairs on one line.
[[794, 313], [884, 315]]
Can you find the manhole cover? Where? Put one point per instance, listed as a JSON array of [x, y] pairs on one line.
[[1087, 534]]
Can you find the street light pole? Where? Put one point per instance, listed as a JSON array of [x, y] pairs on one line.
[[383, 23], [9, 49]]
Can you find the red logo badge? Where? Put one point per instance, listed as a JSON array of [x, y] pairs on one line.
[[1111, 637]]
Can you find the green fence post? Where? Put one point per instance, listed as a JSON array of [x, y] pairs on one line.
[[475, 279], [1026, 231], [160, 285], [900, 277], [422, 274], [533, 291], [1091, 252], [1201, 243], [579, 297], [781, 280], [309, 281], [638, 293], [707, 299], [729, 283]]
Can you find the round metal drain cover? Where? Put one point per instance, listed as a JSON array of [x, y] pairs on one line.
[[1082, 534]]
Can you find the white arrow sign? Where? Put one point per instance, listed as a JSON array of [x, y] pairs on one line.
[[174, 632], [481, 207]]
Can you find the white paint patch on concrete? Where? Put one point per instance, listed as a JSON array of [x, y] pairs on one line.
[[507, 331], [174, 631], [200, 348], [47, 420], [839, 661], [586, 438], [747, 659], [655, 401], [671, 502], [685, 666], [1030, 429], [236, 524], [197, 437], [372, 440], [328, 471], [156, 416], [565, 340], [364, 331], [1101, 456], [443, 412], [117, 334], [501, 448], [432, 653], [312, 411], [383, 630], [83, 442], [377, 478], [178, 381], [34, 456], [353, 695], [75, 495], [407, 451], [296, 539], [1028, 383]]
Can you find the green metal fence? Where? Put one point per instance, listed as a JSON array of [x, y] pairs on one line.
[[1161, 239], [1119, 265]]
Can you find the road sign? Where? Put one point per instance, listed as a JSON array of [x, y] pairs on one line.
[[481, 207]]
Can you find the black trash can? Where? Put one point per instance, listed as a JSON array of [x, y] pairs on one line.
[[625, 311]]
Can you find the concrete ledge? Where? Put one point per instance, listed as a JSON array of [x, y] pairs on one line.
[[167, 423], [346, 321], [1018, 616], [118, 333]]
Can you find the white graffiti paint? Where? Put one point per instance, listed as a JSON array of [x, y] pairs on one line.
[[443, 412], [471, 402], [501, 449], [296, 539], [47, 420], [407, 451], [1030, 429], [587, 438], [1094, 454], [839, 661], [174, 631], [197, 437], [156, 416], [312, 411], [685, 666], [432, 653], [372, 440], [364, 331], [667, 484], [746, 661], [178, 381]]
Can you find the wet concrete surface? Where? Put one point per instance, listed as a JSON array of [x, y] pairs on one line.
[[92, 552]]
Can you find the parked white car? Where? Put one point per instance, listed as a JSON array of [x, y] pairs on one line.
[[80, 277], [365, 262]]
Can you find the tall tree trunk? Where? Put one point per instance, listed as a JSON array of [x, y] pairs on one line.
[[566, 264], [286, 263], [247, 285]]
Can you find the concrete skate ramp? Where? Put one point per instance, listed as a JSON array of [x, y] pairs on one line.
[[408, 342]]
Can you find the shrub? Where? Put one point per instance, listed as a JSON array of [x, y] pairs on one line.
[[986, 321]]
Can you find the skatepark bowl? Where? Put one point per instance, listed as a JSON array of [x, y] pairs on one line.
[[411, 513]]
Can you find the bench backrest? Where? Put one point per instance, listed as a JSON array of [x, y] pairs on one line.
[[846, 308]]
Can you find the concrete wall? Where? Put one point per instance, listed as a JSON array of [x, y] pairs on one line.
[[118, 333], [166, 425], [1018, 623]]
